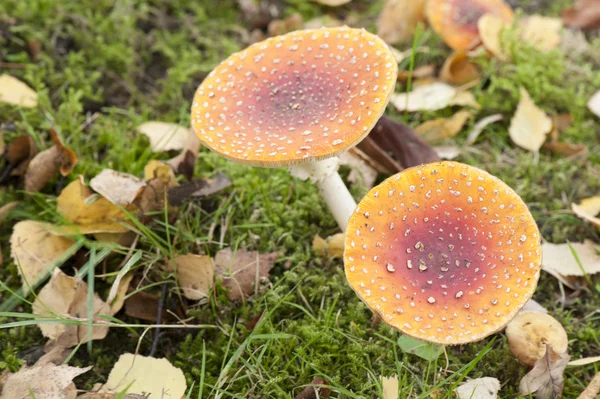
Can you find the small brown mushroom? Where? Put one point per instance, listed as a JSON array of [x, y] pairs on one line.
[[298, 100], [443, 252], [530, 331]]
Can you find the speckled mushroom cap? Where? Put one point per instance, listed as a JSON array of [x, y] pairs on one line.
[[444, 252], [306, 95], [456, 20]]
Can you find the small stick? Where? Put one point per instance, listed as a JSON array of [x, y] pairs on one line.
[[161, 305], [592, 390]]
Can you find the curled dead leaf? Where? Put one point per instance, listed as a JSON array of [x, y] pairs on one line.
[[546, 378], [198, 188], [588, 209], [398, 20], [36, 247], [458, 70], [119, 188], [480, 126], [584, 15]]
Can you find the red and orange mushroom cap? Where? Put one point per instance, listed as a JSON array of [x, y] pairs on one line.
[[444, 252], [306, 95], [456, 20]]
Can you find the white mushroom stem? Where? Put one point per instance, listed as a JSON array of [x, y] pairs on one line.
[[331, 186]]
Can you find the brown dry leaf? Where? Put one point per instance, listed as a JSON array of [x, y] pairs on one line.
[[567, 149], [185, 161], [315, 390], [588, 209], [68, 297], [2, 145], [332, 3], [584, 361], [89, 212], [422, 72], [398, 20], [15, 92], [155, 378], [490, 27], [7, 208], [119, 188], [584, 15], [560, 259], [164, 136], [243, 270], [401, 141], [594, 104], [35, 248], [195, 274], [22, 148], [41, 169], [479, 388], [438, 130], [390, 386], [592, 390], [546, 378], [198, 188], [279, 27], [458, 70], [116, 297], [529, 125], [43, 382], [144, 306], [379, 165], [66, 157], [159, 179], [110, 395], [332, 247], [543, 33]]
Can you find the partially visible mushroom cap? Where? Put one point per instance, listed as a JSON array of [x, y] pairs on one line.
[[530, 331], [306, 95], [456, 20], [444, 252]]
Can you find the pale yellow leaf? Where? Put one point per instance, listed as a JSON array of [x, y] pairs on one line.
[[119, 188], [588, 209], [465, 99], [490, 27], [438, 130], [529, 125], [560, 259], [15, 92], [543, 33], [35, 248], [479, 388], [398, 19], [594, 104], [426, 97], [332, 3], [43, 382], [458, 70], [390, 387], [449, 151], [195, 274], [164, 136], [147, 375], [584, 361]]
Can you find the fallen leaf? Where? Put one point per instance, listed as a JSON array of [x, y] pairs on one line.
[[422, 72], [243, 270], [198, 188], [390, 387], [119, 188], [588, 209], [479, 388], [143, 305], [314, 391], [398, 20], [594, 104], [332, 3], [332, 247], [184, 162], [567, 149], [2, 145], [19, 153], [195, 274], [532, 305], [68, 297], [584, 361], [43, 382], [41, 169], [584, 15], [438, 130], [7, 208], [15, 92], [159, 179], [546, 378], [458, 70], [164, 136], [118, 291], [407, 149], [447, 151], [543, 33], [360, 172], [431, 97], [422, 349], [529, 125], [592, 390], [89, 212], [279, 27], [490, 28], [559, 258], [110, 395], [152, 377], [35, 248]]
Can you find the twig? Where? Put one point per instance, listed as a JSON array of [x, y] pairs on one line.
[[161, 305]]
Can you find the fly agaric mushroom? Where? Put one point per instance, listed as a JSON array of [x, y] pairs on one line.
[[298, 100], [456, 20], [443, 252], [530, 331]]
